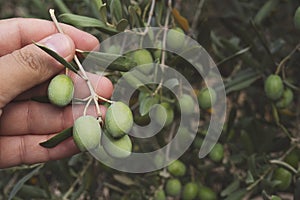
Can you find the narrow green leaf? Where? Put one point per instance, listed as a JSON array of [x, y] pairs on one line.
[[230, 188], [58, 58], [116, 10], [171, 83], [249, 178], [146, 105], [111, 61], [62, 6], [98, 3], [103, 13], [237, 195], [34, 192], [125, 180], [265, 10], [60, 137], [87, 22], [21, 182], [135, 19]]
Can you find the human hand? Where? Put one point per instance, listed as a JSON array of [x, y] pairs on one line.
[[25, 72]]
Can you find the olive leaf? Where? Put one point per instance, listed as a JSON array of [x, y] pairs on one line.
[[60, 137], [58, 58], [265, 11], [111, 61], [116, 10], [87, 22], [122, 25]]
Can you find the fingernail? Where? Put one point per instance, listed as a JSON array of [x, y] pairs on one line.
[[60, 43]]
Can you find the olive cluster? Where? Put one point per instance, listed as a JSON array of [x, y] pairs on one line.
[[275, 90]]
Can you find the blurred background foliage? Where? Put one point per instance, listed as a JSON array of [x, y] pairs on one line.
[[247, 39]]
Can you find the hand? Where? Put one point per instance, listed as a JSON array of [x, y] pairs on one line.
[[25, 72]]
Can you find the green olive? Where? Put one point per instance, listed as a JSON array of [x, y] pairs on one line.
[[165, 111], [175, 38], [177, 168], [143, 57], [118, 148], [173, 187], [190, 191], [61, 90], [293, 159], [186, 104], [273, 87], [160, 195], [207, 98], [205, 193], [297, 18], [86, 132], [284, 178], [118, 119], [217, 153], [274, 197], [286, 99]]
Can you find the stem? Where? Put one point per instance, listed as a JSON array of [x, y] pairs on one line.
[[283, 61], [93, 95]]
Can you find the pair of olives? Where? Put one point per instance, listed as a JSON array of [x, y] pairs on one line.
[[88, 134], [274, 89]]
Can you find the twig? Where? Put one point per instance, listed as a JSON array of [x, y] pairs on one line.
[[281, 64], [197, 15]]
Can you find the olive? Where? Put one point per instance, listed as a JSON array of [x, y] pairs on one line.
[[190, 191], [160, 195], [274, 197], [293, 159], [86, 132], [175, 38], [273, 87], [186, 104], [142, 57], [286, 99], [217, 153], [284, 178], [297, 18], [118, 148], [61, 90], [205, 193], [118, 119], [177, 168], [207, 98], [164, 111], [173, 187]]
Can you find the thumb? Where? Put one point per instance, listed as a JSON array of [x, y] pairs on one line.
[[30, 66]]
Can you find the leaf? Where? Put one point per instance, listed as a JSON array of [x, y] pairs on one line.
[[171, 83], [60, 137], [103, 13], [265, 11], [122, 25], [242, 80], [249, 178], [230, 188], [58, 58], [116, 10], [125, 180], [237, 195], [87, 22], [111, 61], [147, 104], [135, 19], [21, 182], [34, 192], [183, 22], [98, 3]]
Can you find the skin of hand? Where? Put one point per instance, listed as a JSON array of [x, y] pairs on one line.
[[25, 73]]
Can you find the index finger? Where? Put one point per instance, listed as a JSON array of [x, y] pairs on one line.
[[21, 32]]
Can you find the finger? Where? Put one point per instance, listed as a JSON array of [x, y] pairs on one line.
[[21, 32], [26, 150], [30, 66], [39, 118], [102, 85]]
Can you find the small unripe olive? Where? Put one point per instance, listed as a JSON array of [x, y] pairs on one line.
[[297, 18], [206, 193], [284, 177], [118, 148], [164, 111], [190, 191], [286, 99], [86, 132], [177, 168], [207, 98], [293, 159], [273, 87], [142, 57], [61, 90], [217, 153], [175, 38], [160, 195], [118, 119], [186, 104], [173, 187], [274, 197]]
